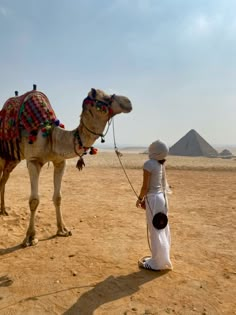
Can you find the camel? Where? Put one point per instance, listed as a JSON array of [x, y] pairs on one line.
[[52, 143]]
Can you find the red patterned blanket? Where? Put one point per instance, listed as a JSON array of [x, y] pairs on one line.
[[28, 112]]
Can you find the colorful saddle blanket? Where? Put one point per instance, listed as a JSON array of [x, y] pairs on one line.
[[26, 113]]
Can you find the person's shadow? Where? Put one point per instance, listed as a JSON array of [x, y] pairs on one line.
[[110, 289]]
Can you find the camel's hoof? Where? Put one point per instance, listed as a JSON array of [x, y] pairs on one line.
[[64, 233], [30, 242], [4, 212]]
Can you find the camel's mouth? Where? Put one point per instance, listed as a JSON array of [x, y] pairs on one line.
[[124, 103], [126, 108]]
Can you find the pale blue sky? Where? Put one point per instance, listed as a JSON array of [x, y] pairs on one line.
[[175, 60]]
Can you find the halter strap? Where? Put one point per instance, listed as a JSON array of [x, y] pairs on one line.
[[81, 146], [80, 163], [92, 102]]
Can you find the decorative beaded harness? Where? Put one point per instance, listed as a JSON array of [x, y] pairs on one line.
[[100, 106]]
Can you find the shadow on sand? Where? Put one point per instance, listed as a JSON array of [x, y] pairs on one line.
[[112, 288], [5, 281], [5, 251]]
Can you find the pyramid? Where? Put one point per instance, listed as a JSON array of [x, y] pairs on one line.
[[226, 152], [192, 144]]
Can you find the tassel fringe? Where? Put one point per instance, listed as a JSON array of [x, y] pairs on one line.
[[10, 150], [80, 164]]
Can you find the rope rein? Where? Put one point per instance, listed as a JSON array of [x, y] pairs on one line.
[[118, 154], [119, 158]]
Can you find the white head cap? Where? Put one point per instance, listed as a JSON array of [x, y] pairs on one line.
[[158, 150]]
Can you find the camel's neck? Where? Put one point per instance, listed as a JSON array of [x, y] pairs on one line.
[[70, 144]]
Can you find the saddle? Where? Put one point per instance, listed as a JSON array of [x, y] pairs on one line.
[[23, 114]]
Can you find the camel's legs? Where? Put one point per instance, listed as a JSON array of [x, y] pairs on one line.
[[6, 167], [34, 168], [3, 210], [58, 173]]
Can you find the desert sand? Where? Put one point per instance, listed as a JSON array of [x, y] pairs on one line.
[[95, 270]]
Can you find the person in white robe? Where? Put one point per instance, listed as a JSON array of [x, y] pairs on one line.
[[154, 194]]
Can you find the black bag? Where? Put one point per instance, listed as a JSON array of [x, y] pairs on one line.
[[160, 220]]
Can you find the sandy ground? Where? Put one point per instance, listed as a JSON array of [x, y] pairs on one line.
[[95, 270]]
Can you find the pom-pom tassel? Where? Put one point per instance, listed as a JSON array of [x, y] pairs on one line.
[[93, 151], [57, 122], [80, 164]]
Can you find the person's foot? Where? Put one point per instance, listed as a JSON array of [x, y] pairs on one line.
[[142, 263]]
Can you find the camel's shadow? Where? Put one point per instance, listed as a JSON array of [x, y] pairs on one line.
[[5, 281], [110, 289], [5, 251]]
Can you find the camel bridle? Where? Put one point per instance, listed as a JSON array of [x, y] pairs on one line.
[[100, 106]]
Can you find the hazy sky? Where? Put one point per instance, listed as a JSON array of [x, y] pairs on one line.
[[175, 60]]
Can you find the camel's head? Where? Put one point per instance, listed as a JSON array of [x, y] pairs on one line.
[[107, 104], [98, 109]]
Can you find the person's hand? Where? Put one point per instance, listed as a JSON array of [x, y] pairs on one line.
[[138, 203]]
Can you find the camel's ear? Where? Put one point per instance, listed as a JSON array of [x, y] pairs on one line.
[[93, 93]]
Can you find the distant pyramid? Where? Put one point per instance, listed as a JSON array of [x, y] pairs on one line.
[[226, 153], [192, 144]]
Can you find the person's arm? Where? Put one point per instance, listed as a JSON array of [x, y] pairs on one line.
[[144, 188]]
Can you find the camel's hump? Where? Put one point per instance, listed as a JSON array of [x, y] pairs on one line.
[[25, 112]]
